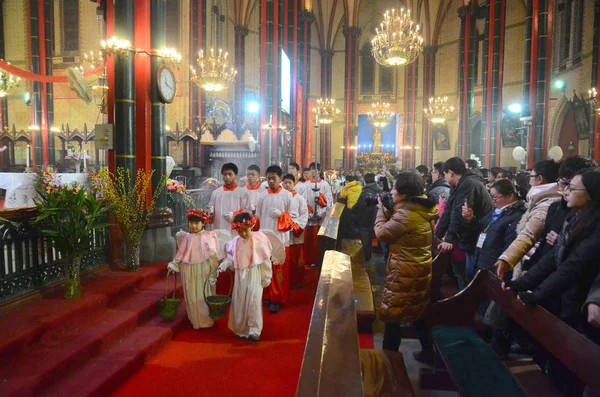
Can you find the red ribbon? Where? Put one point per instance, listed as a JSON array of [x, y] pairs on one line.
[[38, 77]]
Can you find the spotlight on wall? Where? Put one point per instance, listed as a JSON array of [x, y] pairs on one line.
[[27, 98], [515, 108], [253, 107], [560, 85]]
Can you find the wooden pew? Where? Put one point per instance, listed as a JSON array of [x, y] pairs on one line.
[[333, 365], [475, 370]]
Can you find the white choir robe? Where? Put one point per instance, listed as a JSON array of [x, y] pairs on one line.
[[282, 200], [309, 195], [225, 201], [250, 198], [301, 219], [245, 316]]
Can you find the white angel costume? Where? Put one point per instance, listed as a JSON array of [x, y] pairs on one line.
[[197, 256], [251, 260]]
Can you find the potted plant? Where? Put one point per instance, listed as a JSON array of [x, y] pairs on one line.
[[68, 216], [130, 204]]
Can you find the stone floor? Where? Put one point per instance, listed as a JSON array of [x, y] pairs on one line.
[[376, 270]]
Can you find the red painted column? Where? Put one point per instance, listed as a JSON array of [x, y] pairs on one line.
[[110, 72], [44, 120], [240, 54], [143, 120], [352, 35], [325, 129], [533, 81]]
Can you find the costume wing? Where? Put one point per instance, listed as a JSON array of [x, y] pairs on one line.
[[224, 237], [278, 253]]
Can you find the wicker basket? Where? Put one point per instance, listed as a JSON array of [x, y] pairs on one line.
[[217, 304], [168, 306]]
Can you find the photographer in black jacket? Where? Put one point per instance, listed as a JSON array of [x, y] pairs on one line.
[[364, 215]]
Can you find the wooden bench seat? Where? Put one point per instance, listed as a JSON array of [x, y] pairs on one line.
[[473, 367], [384, 374]]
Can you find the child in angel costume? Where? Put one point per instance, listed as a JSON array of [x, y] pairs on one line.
[[249, 255], [198, 255]]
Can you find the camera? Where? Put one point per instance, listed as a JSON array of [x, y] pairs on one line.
[[386, 199]]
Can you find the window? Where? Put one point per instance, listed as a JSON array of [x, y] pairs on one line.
[[568, 32], [70, 26], [173, 23], [367, 72], [386, 80]]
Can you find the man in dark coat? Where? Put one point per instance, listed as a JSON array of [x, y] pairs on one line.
[[364, 215], [452, 228], [439, 187]]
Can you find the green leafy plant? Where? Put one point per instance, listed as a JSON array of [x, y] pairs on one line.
[[68, 216]]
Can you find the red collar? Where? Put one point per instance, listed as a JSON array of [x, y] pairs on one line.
[[271, 191], [230, 188], [253, 187], [313, 181], [294, 193]]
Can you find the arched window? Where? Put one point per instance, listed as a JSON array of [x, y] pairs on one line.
[[69, 13], [386, 80], [568, 33], [367, 70]]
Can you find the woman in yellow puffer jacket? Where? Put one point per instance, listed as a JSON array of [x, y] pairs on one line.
[[351, 191], [408, 229]]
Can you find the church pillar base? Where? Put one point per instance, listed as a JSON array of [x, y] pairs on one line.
[[158, 245]]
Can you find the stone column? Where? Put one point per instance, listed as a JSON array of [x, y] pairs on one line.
[[466, 75], [304, 61], [240, 55], [325, 129], [429, 54], [352, 35], [124, 125], [411, 83], [48, 23], [197, 43]]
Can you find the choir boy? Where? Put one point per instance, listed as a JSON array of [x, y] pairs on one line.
[[297, 233], [227, 199]]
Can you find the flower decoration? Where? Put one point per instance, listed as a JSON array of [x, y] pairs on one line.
[[211, 183], [76, 155], [48, 181], [375, 161], [247, 224], [177, 194]]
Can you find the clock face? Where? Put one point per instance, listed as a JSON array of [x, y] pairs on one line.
[[166, 84]]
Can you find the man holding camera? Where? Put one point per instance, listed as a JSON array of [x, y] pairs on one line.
[[365, 214]]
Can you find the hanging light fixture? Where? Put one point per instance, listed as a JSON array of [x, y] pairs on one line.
[[325, 111], [381, 115], [215, 74], [7, 83], [397, 40], [438, 110]]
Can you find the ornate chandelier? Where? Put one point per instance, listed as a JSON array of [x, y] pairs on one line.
[[7, 83], [215, 74], [381, 115], [325, 111], [397, 42], [438, 110]]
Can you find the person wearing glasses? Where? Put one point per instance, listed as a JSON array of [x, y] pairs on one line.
[[558, 210], [544, 192], [562, 278], [252, 189]]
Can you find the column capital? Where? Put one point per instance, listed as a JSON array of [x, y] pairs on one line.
[[430, 50], [241, 30], [469, 9], [326, 52], [352, 31], [307, 16]]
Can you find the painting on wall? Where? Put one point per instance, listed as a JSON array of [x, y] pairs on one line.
[[582, 117], [509, 130], [441, 136]]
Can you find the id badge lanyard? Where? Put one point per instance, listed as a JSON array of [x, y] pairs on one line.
[[483, 235]]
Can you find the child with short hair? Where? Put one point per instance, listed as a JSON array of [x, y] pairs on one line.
[[196, 258], [249, 255]]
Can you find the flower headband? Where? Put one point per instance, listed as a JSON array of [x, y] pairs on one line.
[[247, 224], [195, 213]]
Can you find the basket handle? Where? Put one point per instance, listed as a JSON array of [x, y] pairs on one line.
[[208, 278], [169, 271]]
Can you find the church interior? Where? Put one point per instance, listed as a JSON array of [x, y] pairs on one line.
[[120, 121]]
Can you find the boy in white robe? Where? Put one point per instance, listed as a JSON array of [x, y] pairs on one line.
[[196, 258], [249, 255], [252, 190], [227, 199], [300, 208], [274, 212]]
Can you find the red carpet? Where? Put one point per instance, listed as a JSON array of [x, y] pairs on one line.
[[214, 362]]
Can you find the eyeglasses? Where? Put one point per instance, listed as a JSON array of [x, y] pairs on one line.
[[569, 188], [562, 183], [533, 175], [496, 198]]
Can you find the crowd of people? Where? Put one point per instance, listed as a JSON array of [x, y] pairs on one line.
[[536, 230]]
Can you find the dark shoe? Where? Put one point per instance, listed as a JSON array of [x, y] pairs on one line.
[[274, 307], [424, 357], [254, 338]]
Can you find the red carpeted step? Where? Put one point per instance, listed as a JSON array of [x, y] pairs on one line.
[[105, 373], [27, 324], [69, 345]]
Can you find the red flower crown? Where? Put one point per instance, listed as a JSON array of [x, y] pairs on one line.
[[195, 213], [250, 223]]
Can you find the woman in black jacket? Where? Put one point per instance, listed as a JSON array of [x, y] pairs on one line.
[[497, 230]]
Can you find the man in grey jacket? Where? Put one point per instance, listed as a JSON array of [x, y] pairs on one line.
[[439, 186]]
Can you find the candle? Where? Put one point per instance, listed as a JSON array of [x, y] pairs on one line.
[[84, 160], [27, 153]]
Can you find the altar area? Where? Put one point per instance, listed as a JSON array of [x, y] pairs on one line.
[[20, 187]]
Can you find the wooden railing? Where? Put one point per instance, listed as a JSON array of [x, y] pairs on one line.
[[29, 262]]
